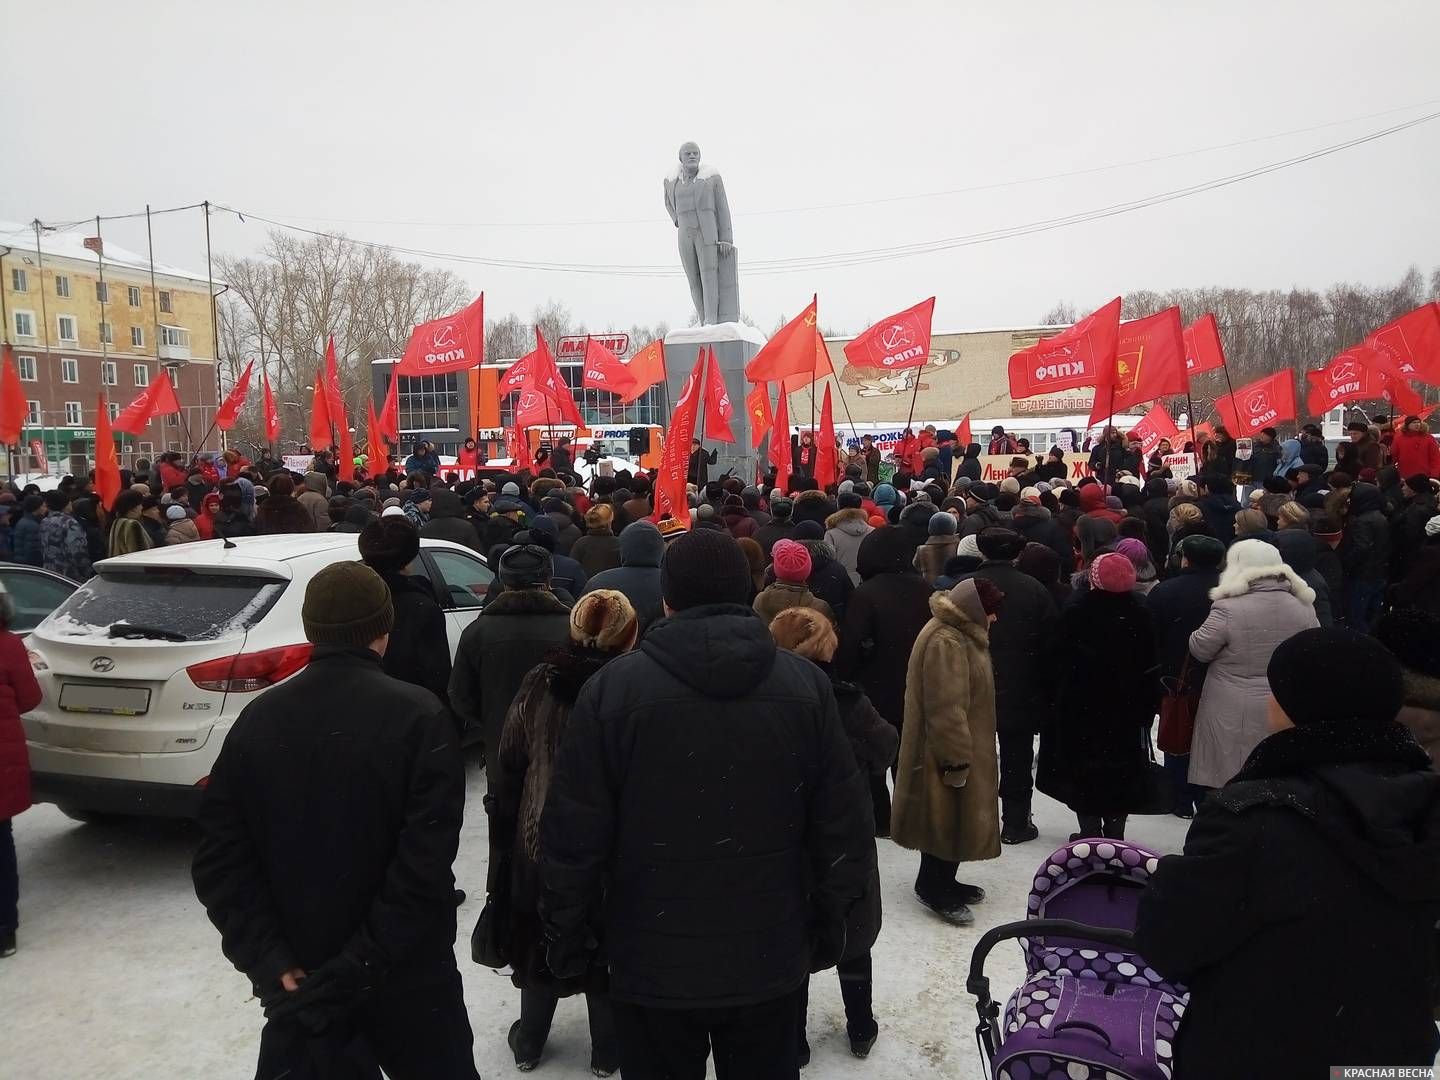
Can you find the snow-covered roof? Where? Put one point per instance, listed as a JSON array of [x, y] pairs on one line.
[[71, 245]]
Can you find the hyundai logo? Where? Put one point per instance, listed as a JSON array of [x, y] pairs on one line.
[[102, 664]]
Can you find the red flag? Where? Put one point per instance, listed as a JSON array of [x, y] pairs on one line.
[[827, 464], [670, 478], [390, 411], [229, 411], [515, 445], [1069, 359], [545, 398], [901, 341], [157, 399], [375, 440], [334, 402], [13, 410], [107, 465], [1409, 347], [757, 407], [1149, 363], [790, 352], [1357, 375], [718, 409], [454, 343], [345, 466], [1259, 404], [602, 370], [320, 437], [818, 370], [780, 439], [272, 414], [1157, 424], [646, 368], [1203, 351], [964, 437]]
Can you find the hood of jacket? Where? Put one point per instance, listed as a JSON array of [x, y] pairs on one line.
[[446, 504], [1262, 579], [1092, 497], [315, 482], [949, 613], [852, 522], [641, 545], [1365, 498], [718, 650]]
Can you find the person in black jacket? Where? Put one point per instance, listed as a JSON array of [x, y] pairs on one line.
[[329, 824], [1365, 555], [1178, 607], [447, 521], [1217, 505], [419, 651], [1020, 640], [1321, 860], [700, 462], [706, 794], [1036, 525], [1155, 511], [969, 466], [1408, 533], [780, 527], [638, 575], [510, 636]]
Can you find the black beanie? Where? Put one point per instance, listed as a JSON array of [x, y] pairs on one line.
[[1413, 636], [388, 545], [525, 566], [705, 566], [1000, 543], [809, 530], [849, 501], [347, 603], [1296, 678]]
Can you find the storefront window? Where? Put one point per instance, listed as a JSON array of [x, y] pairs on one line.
[[429, 402]]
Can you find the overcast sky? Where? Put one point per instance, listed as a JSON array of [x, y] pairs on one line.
[[456, 127]]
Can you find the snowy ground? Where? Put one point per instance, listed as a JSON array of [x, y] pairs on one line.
[[120, 975]]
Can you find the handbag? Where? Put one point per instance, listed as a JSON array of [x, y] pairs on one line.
[[487, 940], [1152, 791], [1178, 706]]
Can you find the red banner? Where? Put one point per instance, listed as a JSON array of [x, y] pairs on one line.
[[229, 410], [602, 370], [963, 436], [827, 463], [780, 439], [320, 419], [272, 414], [157, 399], [901, 341], [757, 406], [1157, 424], [646, 368], [454, 343], [818, 369], [1410, 346], [670, 478], [790, 353], [1149, 364], [13, 409], [545, 398], [334, 402], [1069, 359], [1203, 351], [107, 464], [375, 441], [718, 410], [1260, 404], [1356, 375], [345, 464]]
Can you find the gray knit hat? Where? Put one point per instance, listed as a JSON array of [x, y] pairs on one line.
[[347, 603]]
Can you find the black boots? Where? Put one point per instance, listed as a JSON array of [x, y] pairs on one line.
[[1018, 827], [1111, 828]]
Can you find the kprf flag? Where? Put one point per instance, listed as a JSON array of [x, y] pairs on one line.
[[1409, 347], [229, 410], [757, 406], [157, 399], [1149, 363], [272, 414], [13, 409], [827, 462], [1069, 359], [670, 478], [646, 368], [963, 436], [1355, 375], [1157, 424], [345, 466], [718, 409], [780, 438], [1203, 351], [545, 397], [603, 370], [790, 353], [107, 464], [454, 343], [320, 418], [900, 341], [1260, 404]]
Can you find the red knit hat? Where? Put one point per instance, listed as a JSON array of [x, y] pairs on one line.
[[792, 562], [1112, 572]]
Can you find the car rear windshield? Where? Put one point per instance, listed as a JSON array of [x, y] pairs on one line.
[[195, 606]]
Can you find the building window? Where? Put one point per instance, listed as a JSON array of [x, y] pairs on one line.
[[165, 300], [134, 292], [107, 333], [102, 291], [62, 286], [109, 375], [26, 366], [114, 409], [66, 325], [19, 280], [32, 414], [25, 324], [142, 375], [137, 337], [177, 336], [600, 408], [429, 402], [69, 370], [146, 449], [72, 414], [173, 420]]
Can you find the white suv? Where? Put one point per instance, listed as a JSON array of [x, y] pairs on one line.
[[148, 664]]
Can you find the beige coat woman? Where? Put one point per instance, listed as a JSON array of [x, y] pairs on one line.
[[949, 737]]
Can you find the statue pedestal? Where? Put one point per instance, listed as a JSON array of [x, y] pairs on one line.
[[735, 345]]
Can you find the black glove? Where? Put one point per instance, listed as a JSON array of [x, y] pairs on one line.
[[569, 958], [326, 996]]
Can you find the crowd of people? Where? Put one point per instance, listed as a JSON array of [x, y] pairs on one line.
[[687, 728]]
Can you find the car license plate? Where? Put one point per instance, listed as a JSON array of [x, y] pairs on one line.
[[109, 700]]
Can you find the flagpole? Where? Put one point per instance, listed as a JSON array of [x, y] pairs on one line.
[[104, 303], [703, 389], [846, 405], [155, 308], [214, 320], [910, 420], [45, 320]]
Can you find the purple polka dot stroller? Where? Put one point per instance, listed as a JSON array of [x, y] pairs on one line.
[[1090, 1008]]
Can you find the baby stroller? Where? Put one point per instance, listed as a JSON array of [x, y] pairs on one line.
[[1090, 1008]]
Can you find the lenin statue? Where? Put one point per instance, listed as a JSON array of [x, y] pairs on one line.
[[695, 199]]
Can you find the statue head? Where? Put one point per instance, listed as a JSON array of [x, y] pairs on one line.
[[690, 157]]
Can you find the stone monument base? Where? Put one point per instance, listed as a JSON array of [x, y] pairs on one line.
[[735, 345]]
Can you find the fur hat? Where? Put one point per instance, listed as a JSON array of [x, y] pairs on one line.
[[705, 566], [525, 566], [997, 542], [389, 545], [1112, 572], [1011, 485], [1249, 561], [792, 562], [603, 620], [805, 632], [347, 603]]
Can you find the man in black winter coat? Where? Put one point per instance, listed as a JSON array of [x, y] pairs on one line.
[[1365, 554], [1319, 861], [1217, 505], [780, 527], [507, 517], [1020, 641], [448, 522], [638, 575], [1038, 526], [707, 823], [508, 638], [329, 825], [419, 651]]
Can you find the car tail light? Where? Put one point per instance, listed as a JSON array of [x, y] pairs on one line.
[[248, 672], [37, 662], [203, 782]]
